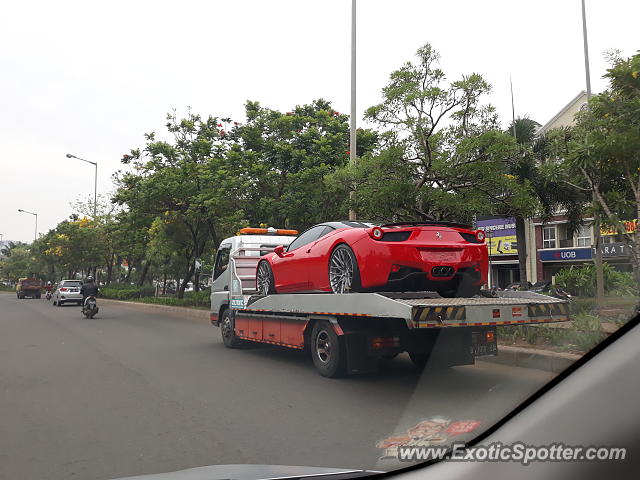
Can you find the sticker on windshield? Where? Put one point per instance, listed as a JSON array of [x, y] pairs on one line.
[[432, 431]]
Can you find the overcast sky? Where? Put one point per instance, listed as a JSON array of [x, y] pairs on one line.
[[91, 78]]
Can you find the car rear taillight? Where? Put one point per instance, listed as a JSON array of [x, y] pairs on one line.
[[63, 289], [376, 233], [480, 236]]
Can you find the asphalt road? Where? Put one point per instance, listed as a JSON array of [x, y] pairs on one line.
[[133, 392]]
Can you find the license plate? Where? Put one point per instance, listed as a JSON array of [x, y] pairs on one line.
[[481, 345], [440, 256], [484, 349]]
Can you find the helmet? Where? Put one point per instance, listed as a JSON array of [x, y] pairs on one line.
[[49, 282], [89, 278]]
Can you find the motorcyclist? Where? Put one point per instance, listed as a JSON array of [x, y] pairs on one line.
[[88, 289], [48, 287]]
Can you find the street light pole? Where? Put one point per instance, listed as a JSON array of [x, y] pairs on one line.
[[352, 133], [586, 50], [35, 235], [95, 182], [596, 223]]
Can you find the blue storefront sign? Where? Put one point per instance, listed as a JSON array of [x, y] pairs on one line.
[[565, 254]]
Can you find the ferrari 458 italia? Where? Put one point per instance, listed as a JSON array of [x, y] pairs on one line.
[[343, 257]]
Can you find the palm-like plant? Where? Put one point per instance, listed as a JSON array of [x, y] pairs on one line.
[[533, 167]]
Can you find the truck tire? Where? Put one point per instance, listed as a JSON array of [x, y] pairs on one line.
[[327, 350], [227, 330]]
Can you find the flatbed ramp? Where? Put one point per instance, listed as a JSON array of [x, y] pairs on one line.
[[418, 310]]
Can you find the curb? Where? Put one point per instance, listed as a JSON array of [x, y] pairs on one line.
[[193, 313], [545, 360]]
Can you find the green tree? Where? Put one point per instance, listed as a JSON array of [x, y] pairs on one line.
[[190, 182], [532, 169], [286, 157], [604, 151], [442, 155]]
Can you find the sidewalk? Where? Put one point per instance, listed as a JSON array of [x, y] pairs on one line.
[[538, 359]]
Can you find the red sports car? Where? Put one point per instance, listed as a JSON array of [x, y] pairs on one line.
[[342, 257]]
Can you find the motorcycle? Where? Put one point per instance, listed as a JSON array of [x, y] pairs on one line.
[[48, 295], [90, 307]]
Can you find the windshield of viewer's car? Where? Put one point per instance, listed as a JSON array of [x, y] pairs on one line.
[[323, 234]]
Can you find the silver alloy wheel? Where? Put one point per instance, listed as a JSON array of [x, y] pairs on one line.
[[264, 278], [226, 326], [323, 347], [341, 271]]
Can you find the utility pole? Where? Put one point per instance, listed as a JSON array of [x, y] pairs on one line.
[[95, 182], [597, 238], [352, 133], [35, 233], [513, 111]]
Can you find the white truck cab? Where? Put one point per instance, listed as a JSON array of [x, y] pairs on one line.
[[246, 248]]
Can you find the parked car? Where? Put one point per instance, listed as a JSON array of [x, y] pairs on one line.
[[28, 287], [68, 291], [342, 257]]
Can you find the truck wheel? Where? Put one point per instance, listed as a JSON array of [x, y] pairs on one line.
[[344, 274], [264, 279], [227, 329], [327, 350]]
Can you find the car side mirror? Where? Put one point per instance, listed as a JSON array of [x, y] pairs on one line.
[[279, 250]]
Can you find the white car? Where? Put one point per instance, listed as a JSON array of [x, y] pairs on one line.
[[68, 291]]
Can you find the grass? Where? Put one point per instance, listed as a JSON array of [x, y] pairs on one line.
[[585, 332]]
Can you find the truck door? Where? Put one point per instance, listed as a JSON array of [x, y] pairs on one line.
[[221, 278]]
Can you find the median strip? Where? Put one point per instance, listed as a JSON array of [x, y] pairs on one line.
[[193, 313]]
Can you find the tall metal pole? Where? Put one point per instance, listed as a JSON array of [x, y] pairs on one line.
[[586, 51], [95, 182], [35, 233], [352, 135], [513, 111], [95, 191], [596, 220]]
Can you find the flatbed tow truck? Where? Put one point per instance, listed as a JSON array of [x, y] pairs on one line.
[[350, 333]]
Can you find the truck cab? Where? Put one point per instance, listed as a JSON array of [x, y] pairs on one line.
[[245, 250]]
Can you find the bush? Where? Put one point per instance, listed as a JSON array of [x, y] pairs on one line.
[[581, 281], [118, 291], [146, 295]]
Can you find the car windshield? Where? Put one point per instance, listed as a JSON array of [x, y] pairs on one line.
[[318, 233]]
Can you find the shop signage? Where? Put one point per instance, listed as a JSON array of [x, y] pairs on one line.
[[629, 226], [565, 254], [501, 235], [617, 249]]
